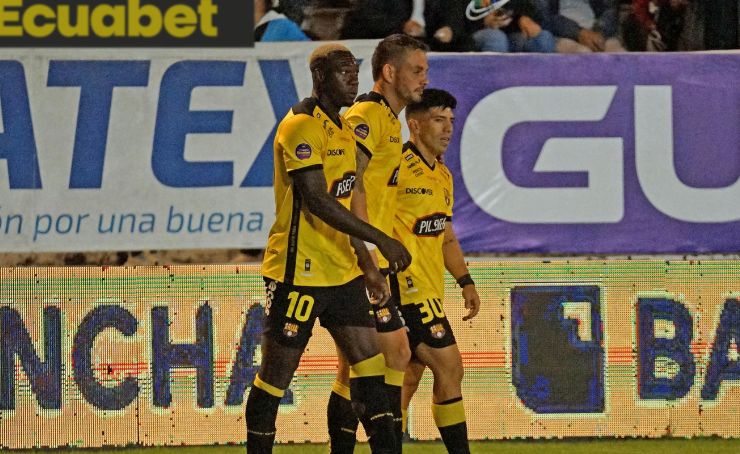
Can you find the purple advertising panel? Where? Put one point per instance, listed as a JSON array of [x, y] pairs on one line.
[[595, 154]]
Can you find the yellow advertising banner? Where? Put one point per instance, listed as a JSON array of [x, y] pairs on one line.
[[166, 355]]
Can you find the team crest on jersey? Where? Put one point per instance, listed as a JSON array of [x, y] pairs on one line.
[[447, 197], [438, 331], [383, 315], [327, 127], [362, 130], [290, 329], [303, 151]]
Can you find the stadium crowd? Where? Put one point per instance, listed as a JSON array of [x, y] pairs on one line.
[[518, 26]]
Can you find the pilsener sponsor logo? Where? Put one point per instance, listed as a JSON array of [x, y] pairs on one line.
[[126, 23], [431, 225]]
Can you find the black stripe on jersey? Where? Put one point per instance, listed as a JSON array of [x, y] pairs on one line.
[[374, 96], [295, 220], [306, 169], [365, 150], [393, 180]]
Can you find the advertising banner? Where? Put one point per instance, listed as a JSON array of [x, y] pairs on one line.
[[168, 149], [166, 355], [126, 23], [597, 153]]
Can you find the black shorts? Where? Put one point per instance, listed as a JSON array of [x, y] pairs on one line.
[[427, 324], [388, 318], [290, 310]]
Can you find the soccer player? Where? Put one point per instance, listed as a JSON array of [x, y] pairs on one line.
[[399, 66], [423, 223], [310, 268]]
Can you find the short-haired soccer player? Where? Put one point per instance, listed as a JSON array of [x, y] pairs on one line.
[[310, 268], [399, 68], [423, 223]]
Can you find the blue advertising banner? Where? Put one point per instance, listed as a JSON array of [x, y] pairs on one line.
[[562, 154], [596, 153]]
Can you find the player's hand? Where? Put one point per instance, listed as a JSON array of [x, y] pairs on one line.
[[398, 256], [591, 39], [377, 287], [472, 301]]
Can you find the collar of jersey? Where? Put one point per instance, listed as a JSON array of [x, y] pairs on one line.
[[411, 146], [376, 97], [323, 109]]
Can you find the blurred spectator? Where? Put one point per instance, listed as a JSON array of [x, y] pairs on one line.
[[514, 28], [272, 25], [655, 25], [440, 23], [582, 25]]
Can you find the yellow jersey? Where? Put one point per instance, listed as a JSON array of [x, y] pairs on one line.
[[301, 248], [425, 201], [377, 131]]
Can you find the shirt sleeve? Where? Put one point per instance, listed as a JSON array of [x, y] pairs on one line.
[[302, 142], [367, 125]]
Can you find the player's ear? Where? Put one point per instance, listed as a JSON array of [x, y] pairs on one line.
[[388, 72], [319, 75], [413, 125]]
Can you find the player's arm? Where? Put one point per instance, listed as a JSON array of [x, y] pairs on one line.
[[366, 258], [358, 204], [455, 264], [310, 185]]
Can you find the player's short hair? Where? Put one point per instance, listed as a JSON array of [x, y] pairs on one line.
[[391, 48], [321, 55], [432, 97]]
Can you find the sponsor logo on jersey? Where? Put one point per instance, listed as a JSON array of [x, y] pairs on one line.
[[409, 157], [393, 181], [420, 191], [431, 225], [394, 139], [335, 152], [383, 315], [362, 130], [342, 188], [303, 151], [290, 329], [438, 331]]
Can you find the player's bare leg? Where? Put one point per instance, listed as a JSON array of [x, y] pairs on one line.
[[447, 407], [411, 380]]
